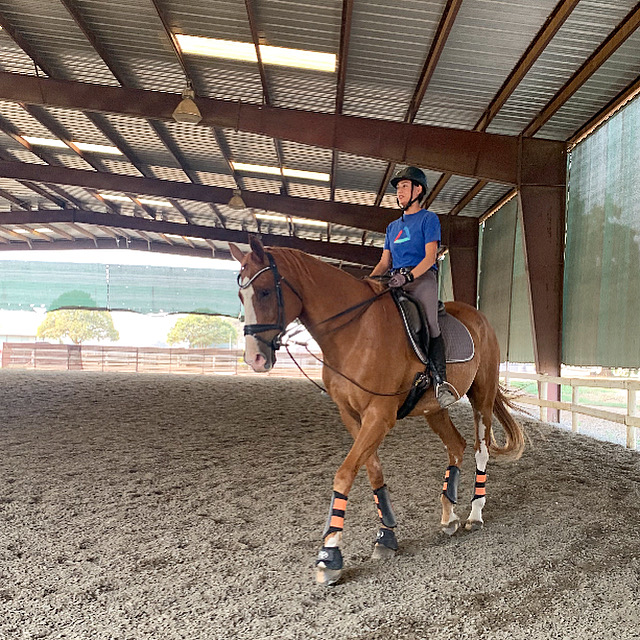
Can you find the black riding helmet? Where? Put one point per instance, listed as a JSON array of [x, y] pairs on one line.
[[416, 176]]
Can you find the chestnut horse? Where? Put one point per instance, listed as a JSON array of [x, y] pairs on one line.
[[368, 371]]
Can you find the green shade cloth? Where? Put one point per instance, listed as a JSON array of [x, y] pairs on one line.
[[503, 293], [144, 289], [601, 319]]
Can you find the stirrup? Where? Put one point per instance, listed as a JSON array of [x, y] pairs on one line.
[[446, 394]]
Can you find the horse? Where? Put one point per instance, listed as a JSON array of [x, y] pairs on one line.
[[368, 371]]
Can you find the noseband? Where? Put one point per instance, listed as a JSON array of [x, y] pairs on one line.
[[254, 329]]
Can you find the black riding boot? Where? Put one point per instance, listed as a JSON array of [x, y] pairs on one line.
[[445, 393]]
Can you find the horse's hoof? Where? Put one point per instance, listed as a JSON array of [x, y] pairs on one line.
[[450, 528], [327, 577], [380, 552], [474, 525]]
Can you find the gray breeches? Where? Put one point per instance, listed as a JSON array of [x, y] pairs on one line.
[[425, 289]]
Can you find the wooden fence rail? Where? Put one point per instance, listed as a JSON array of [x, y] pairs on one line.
[[56, 357], [630, 417]]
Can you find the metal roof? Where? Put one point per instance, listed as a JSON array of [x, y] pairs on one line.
[[543, 70]]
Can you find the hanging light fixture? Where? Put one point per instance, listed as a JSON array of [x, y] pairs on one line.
[[236, 202], [187, 110]]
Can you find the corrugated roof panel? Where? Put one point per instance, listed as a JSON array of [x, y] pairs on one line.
[[358, 174], [262, 184], [389, 44], [621, 70], [587, 27], [216, 179], [225, 20], [22, 121], [485, 43], [13, 58], [168, 173], [132, 34], [143, 141], [78, 126], [451, 194], [50, 30], [485, 199], [17, 189], [251, 148], [71, 160], [304, 25], [306, 158], [315, 191], [122, 167], [353, 196], [198, 146], [23, 155]]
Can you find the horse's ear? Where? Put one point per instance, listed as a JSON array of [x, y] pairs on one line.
[[236, 252], [257, 247]]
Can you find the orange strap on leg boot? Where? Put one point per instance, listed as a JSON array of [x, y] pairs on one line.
[[480, 488], [450, 486]]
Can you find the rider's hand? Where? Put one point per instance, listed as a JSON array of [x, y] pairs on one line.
[[400, 279]]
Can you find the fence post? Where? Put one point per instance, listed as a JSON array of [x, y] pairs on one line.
[[542, 395], [631, 411], [574, 400]]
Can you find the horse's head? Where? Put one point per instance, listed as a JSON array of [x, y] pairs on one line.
[[268, 305]]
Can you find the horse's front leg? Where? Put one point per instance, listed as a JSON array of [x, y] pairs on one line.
[[375, 424]]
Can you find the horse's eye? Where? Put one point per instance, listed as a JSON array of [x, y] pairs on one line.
[[264, 293]]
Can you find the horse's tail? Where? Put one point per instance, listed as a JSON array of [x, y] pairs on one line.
[[514, 444]]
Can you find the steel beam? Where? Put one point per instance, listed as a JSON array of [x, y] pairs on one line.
[[470, 153], [354, 253]]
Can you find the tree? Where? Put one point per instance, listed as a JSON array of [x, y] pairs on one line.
[[202, 331], [79, 325]]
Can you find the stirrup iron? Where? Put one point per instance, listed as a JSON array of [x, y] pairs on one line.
[[446, 394]]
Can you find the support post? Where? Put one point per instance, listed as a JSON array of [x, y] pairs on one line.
[[542, 199]]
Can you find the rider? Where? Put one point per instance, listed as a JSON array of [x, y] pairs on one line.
[[410, 255]]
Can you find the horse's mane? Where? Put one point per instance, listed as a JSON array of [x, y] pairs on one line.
[[304, 264]]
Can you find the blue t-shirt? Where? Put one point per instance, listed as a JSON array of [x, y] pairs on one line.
[[406, 238]]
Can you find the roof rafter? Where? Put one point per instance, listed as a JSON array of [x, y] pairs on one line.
[[340, 251], [608, 47], [544, 36], [341, 80], [440, 38]]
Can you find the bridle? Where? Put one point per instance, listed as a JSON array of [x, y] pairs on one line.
[[254, 329]]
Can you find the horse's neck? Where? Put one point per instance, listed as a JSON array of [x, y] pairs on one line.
[[326, 291]]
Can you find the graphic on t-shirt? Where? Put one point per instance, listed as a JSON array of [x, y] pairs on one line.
[[403, 238]]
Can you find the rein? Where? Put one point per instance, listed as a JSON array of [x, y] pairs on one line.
[[276, 342]]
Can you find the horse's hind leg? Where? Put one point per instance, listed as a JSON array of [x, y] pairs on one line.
[[482, 415], [455, 445]]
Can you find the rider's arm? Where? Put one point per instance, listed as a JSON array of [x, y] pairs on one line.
[[430, 255], [384, 265]]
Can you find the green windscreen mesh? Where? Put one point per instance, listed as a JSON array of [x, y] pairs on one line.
[[601, 320], [445, 285], [145, 289], [503, 290]]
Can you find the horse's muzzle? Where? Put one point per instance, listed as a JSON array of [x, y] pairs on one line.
[[258, 356]]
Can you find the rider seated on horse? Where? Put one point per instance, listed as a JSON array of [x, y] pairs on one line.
[[410, 256]]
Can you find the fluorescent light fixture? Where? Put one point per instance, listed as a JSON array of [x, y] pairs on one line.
[[43, 230], [246, 52], [153, 203], [83, 146], [275, 171], [275, 218], [23, 231]]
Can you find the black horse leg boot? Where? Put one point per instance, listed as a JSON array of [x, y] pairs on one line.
[[446, 393]]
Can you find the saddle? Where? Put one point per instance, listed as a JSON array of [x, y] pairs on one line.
[[457, 339], [459, 345]]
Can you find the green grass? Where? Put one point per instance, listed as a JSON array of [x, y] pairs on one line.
[[586, 395]]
